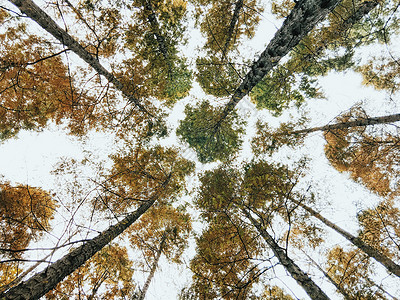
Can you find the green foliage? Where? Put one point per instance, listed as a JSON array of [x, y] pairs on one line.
[[216, 77], [153, 37], [179, 82], [218, 192], [278, 90], [268, 140], [211, 137], [331, 47]]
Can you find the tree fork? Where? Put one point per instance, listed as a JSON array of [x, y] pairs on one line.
[[35, 13], [312, 289], [39, 284]]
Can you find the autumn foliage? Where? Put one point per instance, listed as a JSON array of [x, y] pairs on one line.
[[190, 176]]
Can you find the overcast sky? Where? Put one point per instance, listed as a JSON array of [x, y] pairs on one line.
[[30, 158]]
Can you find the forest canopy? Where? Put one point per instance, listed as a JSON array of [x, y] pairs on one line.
[[224, 173]]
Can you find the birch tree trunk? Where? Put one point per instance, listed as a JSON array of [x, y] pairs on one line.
[[390, 265], [39, 284], [232, 25], [356, 123], [34, 12], [153, 268], [301, 20], [311, 288]]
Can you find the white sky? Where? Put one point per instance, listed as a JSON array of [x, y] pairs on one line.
[[30, 158]]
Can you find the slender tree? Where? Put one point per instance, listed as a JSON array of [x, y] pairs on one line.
[[304, 16], [390, 265], [312, 289], [41, 283], [351, 270], [361, 122], [34, 12], [268, 140], [263, 188], [164, 230], [153, 268]]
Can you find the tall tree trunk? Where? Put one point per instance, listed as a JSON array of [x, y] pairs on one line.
[[312, 289], [356, 123], [153, 268], [301, 20], [390, 265], [34, 12], [232, 25], [361, 11], [39, 284]]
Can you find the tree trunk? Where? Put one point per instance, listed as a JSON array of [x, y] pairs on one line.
[[232, 25], [301, 20], [313, 290], [355, 123], [390, 265], [26, 272], [34, 12], [153, 268], [39, 284]]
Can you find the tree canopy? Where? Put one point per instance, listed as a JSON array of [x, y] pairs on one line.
[[233, 168]]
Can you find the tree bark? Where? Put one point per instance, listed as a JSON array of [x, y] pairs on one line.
[[356, 123], [39, 284], [301, 20], [153, 268], [390, 265], [288, 36], [312, 289], [34, 12], [26, 272], [234, 20]]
